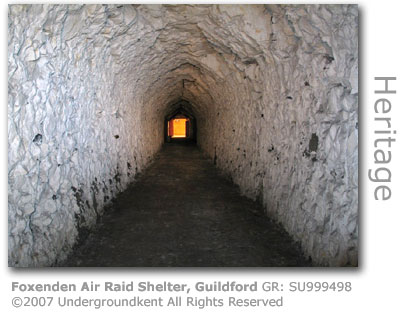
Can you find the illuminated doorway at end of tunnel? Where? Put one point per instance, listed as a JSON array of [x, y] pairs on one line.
[[178, 128]]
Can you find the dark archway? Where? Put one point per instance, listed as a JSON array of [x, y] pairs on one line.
[[179, 113]]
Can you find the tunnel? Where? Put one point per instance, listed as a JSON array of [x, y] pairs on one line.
[[268, 95], [180, 124]]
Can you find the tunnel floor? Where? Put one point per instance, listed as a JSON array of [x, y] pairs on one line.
[[181, 212]]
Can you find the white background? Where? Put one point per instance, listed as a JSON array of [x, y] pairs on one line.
[[380, 284]]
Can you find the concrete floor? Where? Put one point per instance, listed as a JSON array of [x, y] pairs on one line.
[[182, 213]]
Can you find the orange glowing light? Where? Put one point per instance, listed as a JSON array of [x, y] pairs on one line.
[[177, 128]]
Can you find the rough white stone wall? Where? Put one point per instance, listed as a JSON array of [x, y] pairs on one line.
[[311, 177], [66, 87], [274, 90]]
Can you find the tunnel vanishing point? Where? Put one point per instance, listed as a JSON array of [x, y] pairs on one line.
[[268, 92]]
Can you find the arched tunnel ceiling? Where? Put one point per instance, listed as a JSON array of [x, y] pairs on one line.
[[181, 105], [186, 80], [95, 82], [189, 57]]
